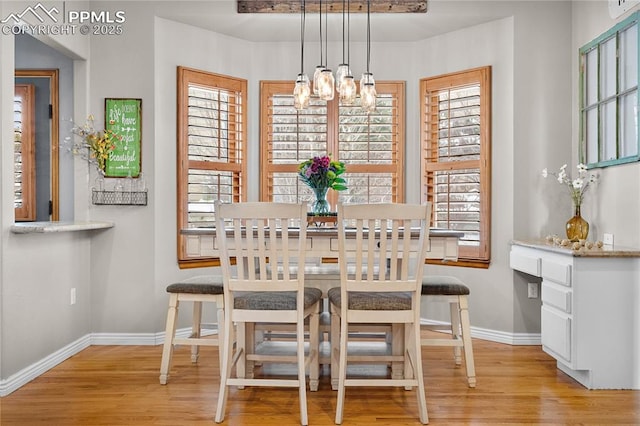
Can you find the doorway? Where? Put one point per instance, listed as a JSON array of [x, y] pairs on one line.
[[46, 131]]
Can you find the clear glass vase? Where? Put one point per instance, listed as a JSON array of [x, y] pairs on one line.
[[320, 204], [577, 227]]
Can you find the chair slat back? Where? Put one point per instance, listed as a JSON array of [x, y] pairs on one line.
[[371, 240], [259, 243]]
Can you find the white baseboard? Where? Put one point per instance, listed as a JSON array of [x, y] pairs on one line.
[[31, 372], [145, 339], [516, 339]]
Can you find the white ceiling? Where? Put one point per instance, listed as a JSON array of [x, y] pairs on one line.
[[442, 16]]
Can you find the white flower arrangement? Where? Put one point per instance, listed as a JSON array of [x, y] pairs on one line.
[[577, 187]]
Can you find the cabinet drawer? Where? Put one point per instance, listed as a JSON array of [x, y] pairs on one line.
[[556, 272], [556, 296], [556, 333], [525, 263]]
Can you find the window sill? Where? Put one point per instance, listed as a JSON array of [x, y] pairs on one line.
[[50, 227]]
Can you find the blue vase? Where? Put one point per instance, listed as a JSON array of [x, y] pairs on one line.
[[320, 204]]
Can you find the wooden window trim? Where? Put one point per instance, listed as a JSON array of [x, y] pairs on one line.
[[185, 77], [482, 76]]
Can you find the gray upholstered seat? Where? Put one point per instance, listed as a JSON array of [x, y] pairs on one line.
[[443, 285], [276, 301], [202, 284], [397, 301]]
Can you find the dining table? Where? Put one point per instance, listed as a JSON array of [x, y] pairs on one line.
[[321, 266], [322, 242]]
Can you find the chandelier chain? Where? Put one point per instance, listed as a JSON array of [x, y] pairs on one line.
[[368, 33], [302, 31]]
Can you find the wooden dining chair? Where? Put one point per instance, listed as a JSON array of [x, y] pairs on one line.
[[376, 288], [451, 290], [198, 290], [253, 238]]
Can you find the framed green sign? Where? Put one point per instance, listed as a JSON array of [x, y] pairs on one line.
[[124, 117]]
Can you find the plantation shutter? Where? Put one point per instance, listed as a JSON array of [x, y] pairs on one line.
[[211, 144], [292, 137], [456, 156], [371, 145], [24, 199], [215, 151]]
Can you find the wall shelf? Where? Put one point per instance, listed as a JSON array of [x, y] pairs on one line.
[[119, 198]]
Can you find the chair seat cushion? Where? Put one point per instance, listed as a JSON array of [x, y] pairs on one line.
[[202, 284], [443, 285], [396, 301], [276, 300]]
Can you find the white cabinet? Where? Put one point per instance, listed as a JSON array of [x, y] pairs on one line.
[[590, 315]]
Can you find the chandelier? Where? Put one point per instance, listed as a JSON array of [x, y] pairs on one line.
[[324, 83]]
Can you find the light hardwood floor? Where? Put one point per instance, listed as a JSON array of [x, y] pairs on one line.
[[118, 385]]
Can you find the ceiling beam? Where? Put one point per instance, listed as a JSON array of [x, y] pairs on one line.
[[334, 6]]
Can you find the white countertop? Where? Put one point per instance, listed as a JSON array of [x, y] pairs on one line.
[[604, 251], [48, 227]]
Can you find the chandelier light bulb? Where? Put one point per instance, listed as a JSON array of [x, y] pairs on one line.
[[301, 92], [368, 97], [348, 90], [316, 79], [342, 71], [367, 77], [326, 85]]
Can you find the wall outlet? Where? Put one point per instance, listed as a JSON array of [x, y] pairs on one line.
[[532, 290], [72, 299], [607, 239]]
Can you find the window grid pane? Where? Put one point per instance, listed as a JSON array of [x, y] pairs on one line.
[[368, 138], [296, 136], [214, 124], [458, 123], [368, 188], [457, 203], [608, 68], [205, 187], [629, 125], [629, 58]]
